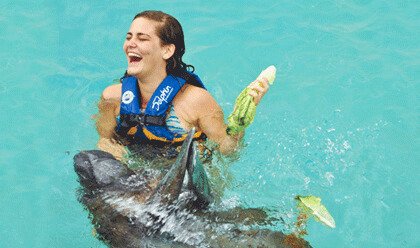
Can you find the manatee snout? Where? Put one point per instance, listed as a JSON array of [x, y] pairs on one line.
[[98, 169]]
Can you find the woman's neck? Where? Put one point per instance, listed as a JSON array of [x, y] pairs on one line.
[[149, 84]]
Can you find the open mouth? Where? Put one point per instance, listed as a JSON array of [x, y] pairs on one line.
[[134, 58]]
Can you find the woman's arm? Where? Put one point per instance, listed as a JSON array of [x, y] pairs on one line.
[[109, 106], [213, 125], [105, 121], [208, 116]]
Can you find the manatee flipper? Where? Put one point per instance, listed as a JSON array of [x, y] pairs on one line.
[[197, 179], [170, 186]]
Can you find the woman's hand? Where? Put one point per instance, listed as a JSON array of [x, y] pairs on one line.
[[258, 89], [111, 146]]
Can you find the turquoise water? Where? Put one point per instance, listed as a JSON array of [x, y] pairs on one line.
[[341, 121]]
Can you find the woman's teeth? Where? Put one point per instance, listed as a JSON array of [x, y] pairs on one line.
[[134, 57]]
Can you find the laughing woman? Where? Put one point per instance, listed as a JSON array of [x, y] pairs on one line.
[[160, 98]]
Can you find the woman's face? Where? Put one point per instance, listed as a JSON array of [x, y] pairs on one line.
[[143, 49]]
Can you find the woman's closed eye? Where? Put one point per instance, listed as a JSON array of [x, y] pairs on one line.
[[142, 37]]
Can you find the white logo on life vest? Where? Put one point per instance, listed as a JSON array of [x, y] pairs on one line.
[[163, 97], [127, 97]]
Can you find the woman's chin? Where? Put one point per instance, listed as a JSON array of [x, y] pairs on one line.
[[133, 71]]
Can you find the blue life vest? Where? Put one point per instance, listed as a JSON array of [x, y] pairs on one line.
[[136, 126]]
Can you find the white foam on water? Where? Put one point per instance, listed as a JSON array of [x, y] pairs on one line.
[[183, 226]]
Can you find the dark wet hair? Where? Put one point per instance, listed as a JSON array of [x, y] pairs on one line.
[[169, 32]]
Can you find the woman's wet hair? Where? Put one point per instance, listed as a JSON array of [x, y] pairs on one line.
[[169, 32]]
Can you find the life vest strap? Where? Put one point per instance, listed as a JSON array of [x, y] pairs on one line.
[[191, 79], [144, 120]]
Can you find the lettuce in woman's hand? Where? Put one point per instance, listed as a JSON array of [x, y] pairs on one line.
[[244, 111]]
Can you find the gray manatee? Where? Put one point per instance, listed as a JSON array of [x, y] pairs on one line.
[[166, 208]]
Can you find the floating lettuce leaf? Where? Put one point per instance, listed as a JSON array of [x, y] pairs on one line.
[[311, 206], [244, 111]]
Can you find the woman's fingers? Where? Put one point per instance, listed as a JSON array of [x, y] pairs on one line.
[[258, 88]]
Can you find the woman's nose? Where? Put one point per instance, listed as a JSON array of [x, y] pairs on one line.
[[131, 43]]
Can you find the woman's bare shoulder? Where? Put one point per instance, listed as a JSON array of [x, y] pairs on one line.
[[196, 95], [196, 98], [112, 92], [195, 102]]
